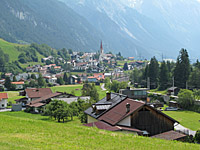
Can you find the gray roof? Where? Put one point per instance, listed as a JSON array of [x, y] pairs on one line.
[[115, 99]]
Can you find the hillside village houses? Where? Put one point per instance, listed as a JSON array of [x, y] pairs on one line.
[[3, 100]]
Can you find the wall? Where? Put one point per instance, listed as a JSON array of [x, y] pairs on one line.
[[3, 103], [149, 120], [91, 119], [126, 121]]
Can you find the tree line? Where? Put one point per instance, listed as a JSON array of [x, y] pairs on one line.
[[165, 74]]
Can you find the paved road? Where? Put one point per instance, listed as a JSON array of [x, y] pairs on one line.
[[103, 87], [4, 110], [181, 128]]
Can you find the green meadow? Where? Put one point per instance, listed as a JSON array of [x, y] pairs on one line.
[[77, 89], [188, 119], [21, 130]]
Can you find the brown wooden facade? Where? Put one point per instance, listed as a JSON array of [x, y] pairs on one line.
[[151, 121]]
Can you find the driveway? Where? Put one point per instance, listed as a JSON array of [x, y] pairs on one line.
[[4, 110], [183, 129], [103, 87]]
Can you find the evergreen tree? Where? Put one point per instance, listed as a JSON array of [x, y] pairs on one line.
[[182, 69], [153, 72], [41, 81], [125, 66], [14, 79], [163, 76], [8, 83]]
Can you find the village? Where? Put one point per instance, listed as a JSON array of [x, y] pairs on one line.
[[121, 107]]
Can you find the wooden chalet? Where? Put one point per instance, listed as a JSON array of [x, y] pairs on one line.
[[118, 110]]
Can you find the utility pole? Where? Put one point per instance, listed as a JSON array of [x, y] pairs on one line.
[[148, 83], [173, 85]]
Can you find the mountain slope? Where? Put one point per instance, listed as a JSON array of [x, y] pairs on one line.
[[137, 33], [47, 21]]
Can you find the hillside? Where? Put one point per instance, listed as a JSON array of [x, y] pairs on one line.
[[21, 130], [145, 28], [10, 49], [47, 21]]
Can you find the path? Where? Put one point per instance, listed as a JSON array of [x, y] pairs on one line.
[[103, 87], [183, 129], [4, 110]]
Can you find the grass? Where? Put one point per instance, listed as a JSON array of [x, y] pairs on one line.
[[157, 91], [188, 119], [10, 49], [77, 89], [68, 89], [20, 130]]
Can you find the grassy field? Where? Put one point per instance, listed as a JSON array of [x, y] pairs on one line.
[[188, 119], [77, 90], [21, 130], [10, 49]]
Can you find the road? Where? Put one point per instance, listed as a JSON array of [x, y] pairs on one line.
[[4, 110], [103, 87], [183, 129]]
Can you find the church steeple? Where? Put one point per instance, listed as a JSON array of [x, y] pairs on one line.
[[101, 48]]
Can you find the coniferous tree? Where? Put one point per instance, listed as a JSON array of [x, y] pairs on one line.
[[163, 76], [8, 83], [41, 81], [153, 72], [182, 69]]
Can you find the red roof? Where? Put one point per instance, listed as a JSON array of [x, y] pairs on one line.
[[105, 126], [118, 113], [38, 92], [17, 83], [45, 97], [3, 95], [170, 135], [37, 105]]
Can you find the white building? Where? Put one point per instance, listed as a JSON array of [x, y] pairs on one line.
[[3, 100]]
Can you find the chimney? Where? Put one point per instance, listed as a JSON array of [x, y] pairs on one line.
[[127, 107], [108, 96]]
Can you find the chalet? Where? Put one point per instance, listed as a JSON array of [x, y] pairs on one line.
[[35, 93], [19, 85], [119, 111], [37, 104], [136, 93], [3, 100]]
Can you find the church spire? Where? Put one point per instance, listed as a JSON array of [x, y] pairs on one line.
[[101, 47]]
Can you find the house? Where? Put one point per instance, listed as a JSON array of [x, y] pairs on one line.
[[35, 93], [3, 100], [173, 104], [73, 79], [137, 93], [118, 110], [19, 85], [173, 91], [37, 104]]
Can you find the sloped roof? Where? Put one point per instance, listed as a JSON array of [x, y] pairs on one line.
[[38, 92], [116, 114], [115, 99], [17, 83], [170, 135], [3, 96], [37, 105], [45, 98], [105, 126]]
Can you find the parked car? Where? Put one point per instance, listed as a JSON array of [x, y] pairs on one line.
[[171, 109]]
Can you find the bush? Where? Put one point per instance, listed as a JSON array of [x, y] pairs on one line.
[[197, 136]]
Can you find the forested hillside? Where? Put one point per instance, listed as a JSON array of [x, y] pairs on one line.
[[46, 21]]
